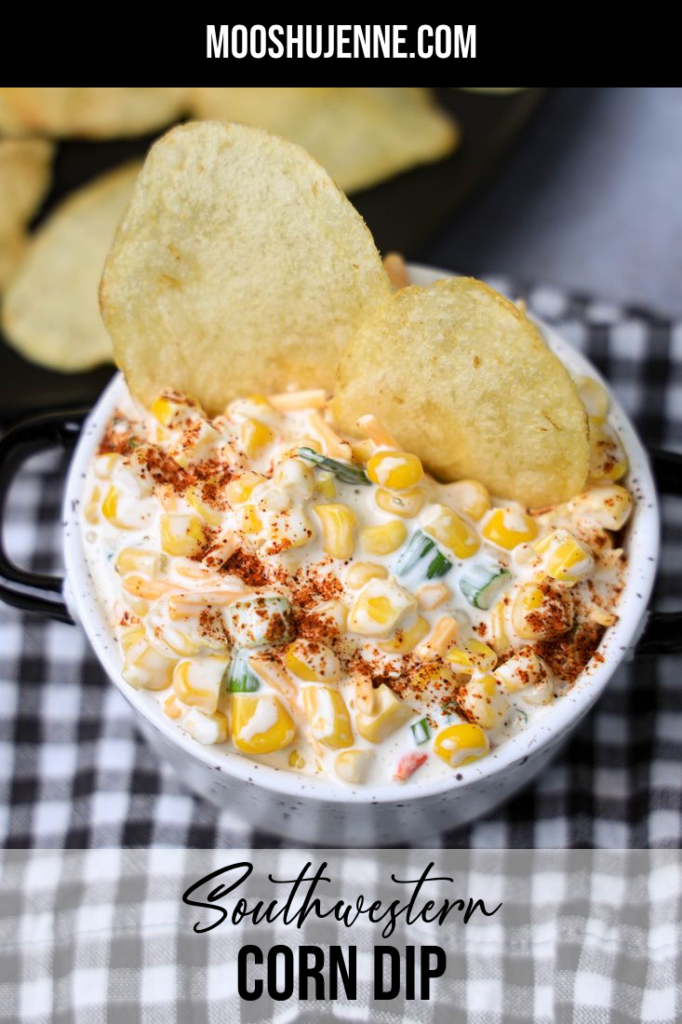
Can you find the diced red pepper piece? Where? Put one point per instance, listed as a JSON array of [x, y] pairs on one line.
[[408, 765]]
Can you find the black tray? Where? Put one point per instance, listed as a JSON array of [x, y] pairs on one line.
[[402, 213]]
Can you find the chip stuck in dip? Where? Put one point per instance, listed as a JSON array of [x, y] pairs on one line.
[[382, 583], [468, 380]]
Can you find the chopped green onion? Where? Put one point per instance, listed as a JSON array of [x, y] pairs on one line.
[[438, 566], [418, 548], [481, 584], [421, 731], [422, 552], [343, 471], [240, 676]]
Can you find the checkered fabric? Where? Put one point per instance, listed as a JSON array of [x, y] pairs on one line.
[[581, 937], [75, 772]]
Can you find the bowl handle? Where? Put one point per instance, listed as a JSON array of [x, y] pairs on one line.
[[663, 630], [18, 587]]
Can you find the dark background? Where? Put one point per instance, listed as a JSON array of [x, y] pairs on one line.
[[589, 199]]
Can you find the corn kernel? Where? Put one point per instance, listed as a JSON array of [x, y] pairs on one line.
[[594, 398], [540, 611], [385, 538], [607, 458], [523, 669], [239, 490], [334, 613], [286, 532], [401, 503], [195, 443], [91, 511], [182, 535], [172, 707], [431, 595], [258, 619], [172, 641], [312, 662], [146, 668], [328, 716], [360, 572], [136, 605], [110, 507], [247, 519], [172, 411], [608, 506], [260, 725], [468, 497], [499, 638], [209, 513], [433, 676], [602, 616], [483, 701], [122, 511], [105, 465], [254, 436], [458, 745], [197, 682], [255, 407], [540, 693], [353, 765], [149, 563], [399, 471], [445, 526], [390, 714], [405, 640], [565, 559], [205, 729], [379, 607], [338, 529], [131, 636], [508, 527], [307, 442], [296, 761], [472, 656], [325, 485], [274, 500], [295, 477]]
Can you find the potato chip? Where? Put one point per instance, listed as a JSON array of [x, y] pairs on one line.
[[10, 124], [239, 268], [24, 178], [464, 380], [51, 310], [12, 248], [93, 112], [360, 136]]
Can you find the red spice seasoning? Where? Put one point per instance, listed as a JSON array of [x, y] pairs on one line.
[[121, 436], [568, 655], [555, 614], [248, 568]]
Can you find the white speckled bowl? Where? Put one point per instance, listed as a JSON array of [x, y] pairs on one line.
[[319, 810], [315, 809]]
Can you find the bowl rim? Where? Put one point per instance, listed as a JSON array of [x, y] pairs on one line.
[[551, 725]]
